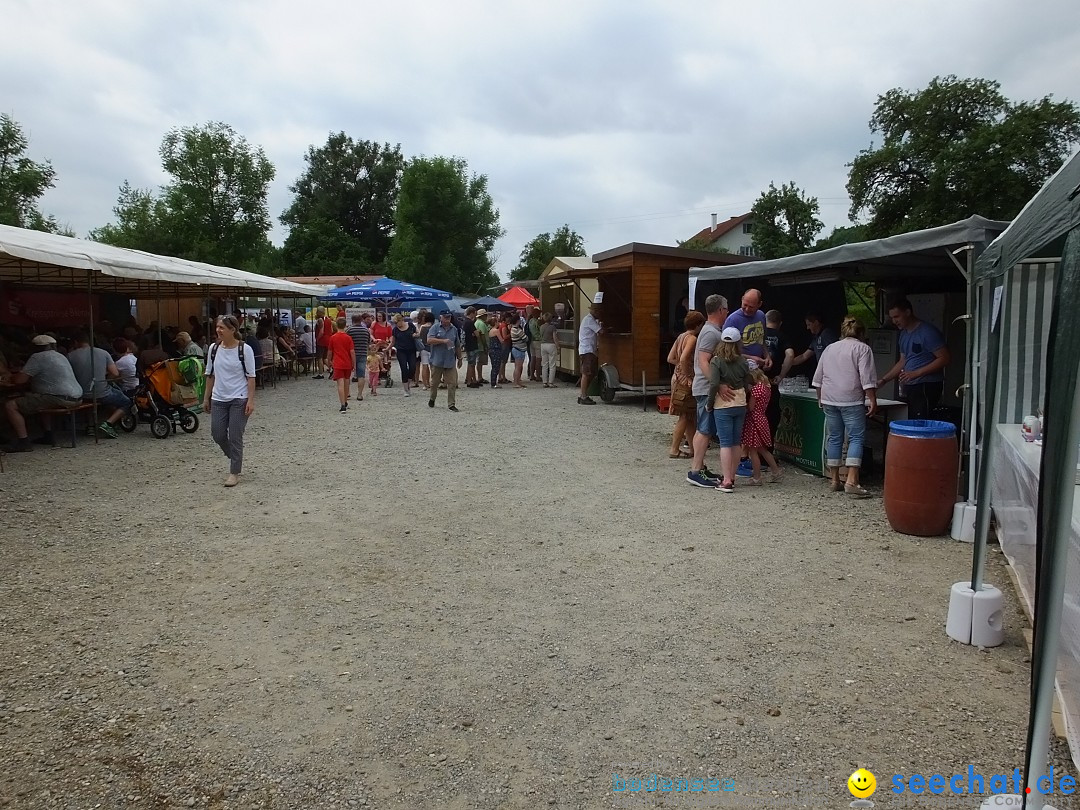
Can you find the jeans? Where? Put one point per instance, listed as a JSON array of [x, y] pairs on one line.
[[729, 425], [227, 423], [407, 363], [549, 362], [838, 420]]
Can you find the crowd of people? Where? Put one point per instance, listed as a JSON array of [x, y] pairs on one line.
[[728, 369]]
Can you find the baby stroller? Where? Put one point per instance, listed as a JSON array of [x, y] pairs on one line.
[[385, 364], [167, 397]]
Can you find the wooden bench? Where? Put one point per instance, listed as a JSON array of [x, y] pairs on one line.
[[70, 414]]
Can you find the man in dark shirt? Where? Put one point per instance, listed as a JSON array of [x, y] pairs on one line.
[[820, 337], [361, 339], [467, 328], [782, 356]]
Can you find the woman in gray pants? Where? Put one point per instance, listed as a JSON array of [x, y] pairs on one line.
[[230, 392]]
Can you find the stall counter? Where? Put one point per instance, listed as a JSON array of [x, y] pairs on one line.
[[800, 436]]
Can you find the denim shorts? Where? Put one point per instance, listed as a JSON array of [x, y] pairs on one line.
[[361, 366], [474, 356], [518, 354], [114, 398], [729, 425], [705, 423]]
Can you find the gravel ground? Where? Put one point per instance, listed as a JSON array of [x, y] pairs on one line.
[[409, 608]]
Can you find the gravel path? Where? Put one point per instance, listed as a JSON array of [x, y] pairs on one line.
[[409, 608]]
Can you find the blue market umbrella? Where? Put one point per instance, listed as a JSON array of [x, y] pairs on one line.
[[385, 291], [490, 304]]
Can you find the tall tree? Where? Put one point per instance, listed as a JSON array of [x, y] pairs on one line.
[[842, 235], [22, 181], [445, 227], [214, 208], [956, 148], [142, 223], [342, 216], [785, 222], [544, 247]]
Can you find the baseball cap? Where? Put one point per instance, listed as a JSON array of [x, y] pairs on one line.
[[480, 313], [731, 335], [43, 340]]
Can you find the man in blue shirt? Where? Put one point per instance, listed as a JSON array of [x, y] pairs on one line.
[[923, 357], [444, 344], [750, 321]]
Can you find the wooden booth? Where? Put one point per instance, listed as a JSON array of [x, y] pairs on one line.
[[645, 289]]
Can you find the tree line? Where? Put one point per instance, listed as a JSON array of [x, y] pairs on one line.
[[955, 148]]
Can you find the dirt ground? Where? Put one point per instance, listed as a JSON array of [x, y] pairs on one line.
[[513, 606]]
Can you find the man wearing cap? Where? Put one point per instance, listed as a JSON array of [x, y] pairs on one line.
[[94, 368], [587, 342], [52, 385], [444, 343], [188, 347], [481, 329]]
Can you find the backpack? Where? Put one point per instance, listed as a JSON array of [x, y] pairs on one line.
[[239, 351]]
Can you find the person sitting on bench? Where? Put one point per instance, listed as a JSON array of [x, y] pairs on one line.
[[94, 369], [52, 385]]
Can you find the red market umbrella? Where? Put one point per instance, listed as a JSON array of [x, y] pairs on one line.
[[519, 297]]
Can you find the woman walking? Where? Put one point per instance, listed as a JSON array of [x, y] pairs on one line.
[[405, 345], [230, 393], [845, 375]]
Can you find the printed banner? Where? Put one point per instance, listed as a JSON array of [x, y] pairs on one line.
[[44, 310]]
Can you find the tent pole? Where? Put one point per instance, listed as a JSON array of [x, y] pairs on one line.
[[93, 374], [1057, 491]]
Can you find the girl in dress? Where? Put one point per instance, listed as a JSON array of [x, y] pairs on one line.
[[756, 436]]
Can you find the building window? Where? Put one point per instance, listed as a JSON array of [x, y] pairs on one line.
[[746, 250], [748, 227]]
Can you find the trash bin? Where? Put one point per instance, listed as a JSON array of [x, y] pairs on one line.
[[922, 463]]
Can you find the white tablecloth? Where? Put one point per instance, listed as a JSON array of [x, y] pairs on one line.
[[1015, 499]]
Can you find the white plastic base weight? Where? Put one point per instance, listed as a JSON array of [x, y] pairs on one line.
[[963, 522], [976, 618]]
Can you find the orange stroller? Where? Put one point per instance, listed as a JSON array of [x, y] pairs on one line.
[[168, 397]]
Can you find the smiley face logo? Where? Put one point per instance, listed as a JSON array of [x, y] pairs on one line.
[[862, 784]]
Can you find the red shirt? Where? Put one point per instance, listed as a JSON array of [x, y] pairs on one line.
[[382, 331], [341, 346], [325, 333]]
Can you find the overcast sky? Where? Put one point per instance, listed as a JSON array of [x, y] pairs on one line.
[[631, 121]]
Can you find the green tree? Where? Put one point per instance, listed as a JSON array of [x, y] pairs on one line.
[[697, 243], [956, 148], [445, 226], [213, 209], [544, 247], [844, 235], [785, 222], [342, 216], [22, 181], [141, 223]]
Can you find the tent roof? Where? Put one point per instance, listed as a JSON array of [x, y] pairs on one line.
[[1049, 215], [519, 297], [49, 260], [925, 251]]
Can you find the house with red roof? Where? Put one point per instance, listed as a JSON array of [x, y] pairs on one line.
[[732, 236]]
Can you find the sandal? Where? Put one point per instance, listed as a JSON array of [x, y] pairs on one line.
[[856, 491], [836, 486], [680, 454]]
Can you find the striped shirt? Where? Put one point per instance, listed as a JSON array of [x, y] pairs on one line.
[[361, 338]]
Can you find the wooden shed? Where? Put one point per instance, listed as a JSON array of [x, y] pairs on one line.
[[644, 287]]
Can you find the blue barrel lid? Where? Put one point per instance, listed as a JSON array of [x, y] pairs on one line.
[[923, 429]]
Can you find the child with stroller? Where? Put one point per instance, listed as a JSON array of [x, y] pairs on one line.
[[757, 435]]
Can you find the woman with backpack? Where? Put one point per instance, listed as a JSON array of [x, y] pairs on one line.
[[230, 392]]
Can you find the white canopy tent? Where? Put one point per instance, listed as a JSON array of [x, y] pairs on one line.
[[38, 259]]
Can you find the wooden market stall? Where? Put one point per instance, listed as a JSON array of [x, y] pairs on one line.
[[643, 286]]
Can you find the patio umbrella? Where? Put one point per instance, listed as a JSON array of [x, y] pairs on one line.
[[491, 304], [385, 291], [519, 298]]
